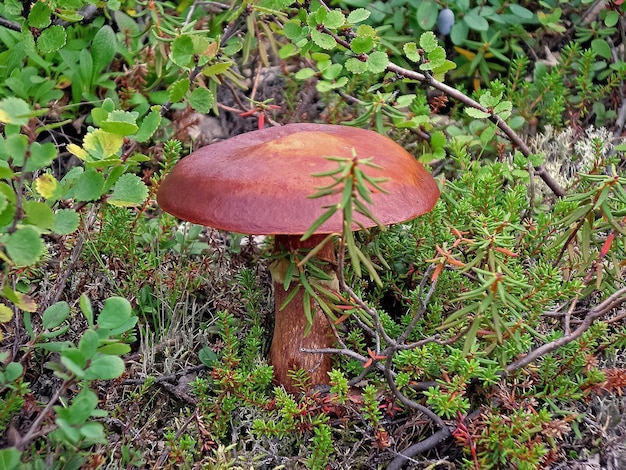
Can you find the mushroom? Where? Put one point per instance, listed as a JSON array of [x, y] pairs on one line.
[[260, 183]]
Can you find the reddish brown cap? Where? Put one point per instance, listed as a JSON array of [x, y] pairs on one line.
[[260, 182]]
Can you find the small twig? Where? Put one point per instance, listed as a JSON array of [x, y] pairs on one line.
[[34, 428], [419, 448], [613, 301], [13, 26], [423, 303]]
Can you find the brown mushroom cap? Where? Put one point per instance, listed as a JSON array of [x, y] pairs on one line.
[[260, 182]]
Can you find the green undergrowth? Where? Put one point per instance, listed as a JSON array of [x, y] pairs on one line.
[[488, 333]]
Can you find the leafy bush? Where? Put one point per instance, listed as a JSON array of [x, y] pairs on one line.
[[481, 331]]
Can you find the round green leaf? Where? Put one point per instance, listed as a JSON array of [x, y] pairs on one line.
[[201, 100], [12, 372], [323, 40], [520, 11], [128, 191], [116, 312], [89, 186], [41, 155], [39, 16], [65, 222], [358, 15], [601, 47], [427, 14], [10, 458], [362, 44], [475, 21], [182, 51], [459, 33], [54, 315], [38, 214], [121, 123], [105, 367], [178, 90], [355, 65], [14, 111], [91, 430], [476, 113], [377, 62], [148, 126], [612, 17], [51, 39], [5, 314], [304, 74], [24, 246]]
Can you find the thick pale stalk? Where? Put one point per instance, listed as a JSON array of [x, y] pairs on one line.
[[290, 325]]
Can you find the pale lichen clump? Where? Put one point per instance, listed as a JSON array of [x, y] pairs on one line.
[[568, 154]]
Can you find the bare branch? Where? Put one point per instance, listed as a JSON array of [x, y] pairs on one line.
[[614, 300]]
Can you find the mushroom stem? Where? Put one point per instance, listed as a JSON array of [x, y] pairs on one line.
[[286, 351]]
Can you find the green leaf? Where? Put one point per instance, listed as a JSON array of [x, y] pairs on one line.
[[86, 308], [24, 246], [601, 47], [186, 48], [12, 372], [103, 49], [93, 431], [89, 185], [323, 40], [121, 123], [428, 41], [358, 15], [54, 315], [6, 314], [292, 29], [201, 100], [334, 19], [39, 16], [217, 68], [116, 312], [178, 90], [411, 52], [488, 100], [22, 301], [88, 344], [286, 51], [427, 14], [14, 111], [51, 39], [362, 44], [377, 62], [10, 458], [436, 58], [41, 155], [38, 214], [612, 17], [207, 356], [128, 191], [520, 11], [114, 349], [304, 74], [105, 367], [149, 125], [476, 113], [475, 21], [65, 222], [355, 65]]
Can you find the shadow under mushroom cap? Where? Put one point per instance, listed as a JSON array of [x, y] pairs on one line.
[[260, 182]]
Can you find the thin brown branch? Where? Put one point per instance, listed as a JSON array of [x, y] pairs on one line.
[[611, 302]]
